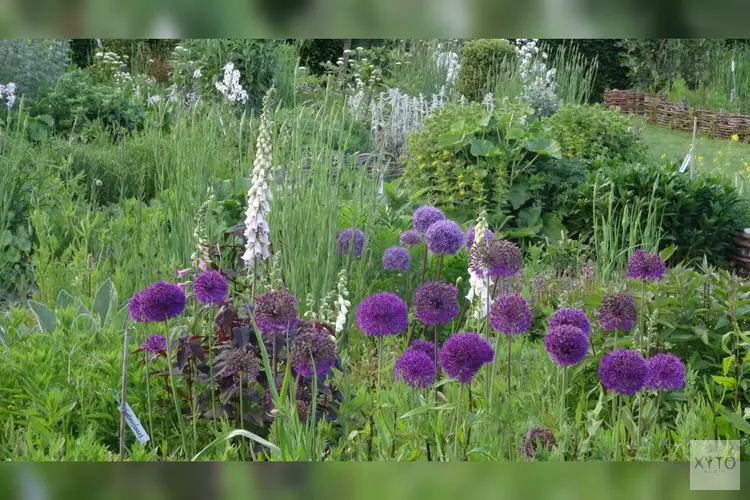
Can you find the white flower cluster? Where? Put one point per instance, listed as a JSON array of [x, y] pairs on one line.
[[447, 61], [8, 92], [200, 233], [395, 114], [479, 288], [356, 101], [259, 195], [489, 101], [230, 87], [539, 85], [342, 302]]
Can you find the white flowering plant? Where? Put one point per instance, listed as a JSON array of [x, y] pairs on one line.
[[539, 84]]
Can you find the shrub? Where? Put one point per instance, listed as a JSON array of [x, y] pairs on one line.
[[700, 216], [479, 58], [32, 64], [591, 132], [468, 159]]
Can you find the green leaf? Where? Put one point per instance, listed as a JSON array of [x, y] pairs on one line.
[[544, 146], [105, 297], [241, 433], [736, 420], [425, 409], [726, 382], [726, 364], [552, 227], [515, 133], [522, 232], [86, 322], [480, 147], [667, 252], [4, 338], [44, 316], [64, 299], [702, 333], [450, 139], [742, 311], [530, 217], [519, 193]]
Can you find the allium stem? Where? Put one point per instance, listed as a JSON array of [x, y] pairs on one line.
[[562, 413], [124, 393], [643, 316], [424, 264], [439, 270], [174, 388], [437, 365], [148, 398], [380, 359], [458, 413], [510, 406], [616, 419]]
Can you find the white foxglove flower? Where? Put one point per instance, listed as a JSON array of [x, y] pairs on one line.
[[230, 86], [197, 73], [479, 288], [342, 302], [259, 195]]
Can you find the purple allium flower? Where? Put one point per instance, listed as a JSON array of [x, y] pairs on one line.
[[154, 344], [464, 354], [410, 238], [313, 344], [572, 317], [416, 368], [382, 314], [646, 266], [445, 237], [162, 301], [436, 302], [470, 235], [496, 258], [276, 312], [239, 364], [396, 259], [536, 439], [510, 314], [210, 287], [623, 371], [345, 244], [424, 346], [566, 345], [618, 312], [665, 373], [135, 305], [424, 217]]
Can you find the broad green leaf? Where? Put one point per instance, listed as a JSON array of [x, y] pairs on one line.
[[44, 316], [736, 420], [552, 227], [85, 322], [241, 433], [105, 297], [544, 146], [667, 252], [64, 299], [451, 139], [480, 147], [519, 193], [522, 232], [726, 364], [530, 217], [701, 333], [742, 311], [727, 382], [515, 133]]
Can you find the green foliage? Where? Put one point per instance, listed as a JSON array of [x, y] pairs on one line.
[[480, 59], [32, 64], [699, 216], [590, 132]]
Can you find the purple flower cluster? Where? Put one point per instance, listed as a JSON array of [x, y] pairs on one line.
[[436, 302], [276, 312], [348, 244], [536, 439], [510, 314], [566, 345], [382, 314], [424, 217], [240, 365], [313, 350], [210, 288], [410, 238], [623, 371], [154, 344], [464, 354], [159, 302], [424, 346], [496, 258], [396, 259], [646, 266], [445, 238], [618, 312], [415, 368], [471, 234], [571, 317], [665, 373]]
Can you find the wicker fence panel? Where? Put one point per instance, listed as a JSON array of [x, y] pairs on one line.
[[658, 110]]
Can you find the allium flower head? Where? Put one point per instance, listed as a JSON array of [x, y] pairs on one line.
[[210, 287], [382, 314], [313, 345], [618, 312], [410, 238], [396, 259], [510, 314], [566, 345], [276, 312], [445, 237], [572, 317], [424, 217], [424, 346], [135, 305], [346, 245], [623, 371], [536, 439], [436, 302], [496, 258], [464, 354], [470, 234], [665, 373], [154, 344], [415, 368], [240, 364], [162, 301], [646, 266]]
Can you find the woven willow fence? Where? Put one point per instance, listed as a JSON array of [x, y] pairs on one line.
[[658, 110]]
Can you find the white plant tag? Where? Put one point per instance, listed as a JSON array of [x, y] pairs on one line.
[[133, 423]]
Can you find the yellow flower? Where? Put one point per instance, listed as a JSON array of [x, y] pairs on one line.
[[700, 159], [718, 153], [664, 155], [448, 163], [570, 155], [420, 158], [434, 163], [446, 153], [461, 184], [476, 174], [461, 192], [422, 166], [460, 176], [735, 137]]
